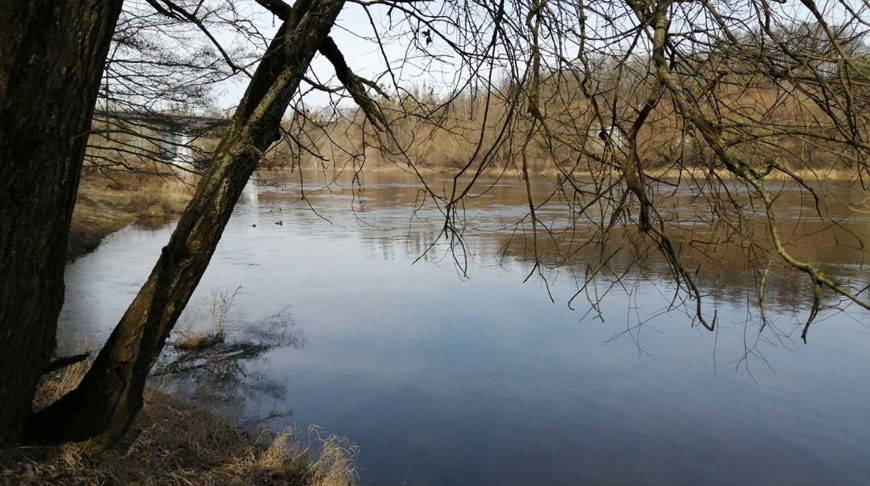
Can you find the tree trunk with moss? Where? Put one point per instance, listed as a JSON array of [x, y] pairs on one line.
[[52, 55], [107, 400]]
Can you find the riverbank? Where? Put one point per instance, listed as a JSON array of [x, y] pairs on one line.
[[107, 203], [175, 443], [276, 175]]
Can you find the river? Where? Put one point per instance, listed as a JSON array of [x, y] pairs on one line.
[[443, 378]]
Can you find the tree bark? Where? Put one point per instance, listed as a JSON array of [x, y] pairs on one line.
[[52, 55], [107, 400]]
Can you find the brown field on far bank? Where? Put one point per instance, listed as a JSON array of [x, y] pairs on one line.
[[278, 174], [107, 202]]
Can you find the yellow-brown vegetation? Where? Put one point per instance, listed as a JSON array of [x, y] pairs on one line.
[[174, 443], [109, 201]]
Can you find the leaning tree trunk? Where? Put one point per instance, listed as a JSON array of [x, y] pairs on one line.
[[106, 401], [52, 55]]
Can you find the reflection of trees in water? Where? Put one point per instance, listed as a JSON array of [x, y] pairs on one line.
[[727, 261], [225, 376], [721, 238], [728, 271]]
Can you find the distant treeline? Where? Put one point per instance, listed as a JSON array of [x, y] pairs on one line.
[[585, 127]]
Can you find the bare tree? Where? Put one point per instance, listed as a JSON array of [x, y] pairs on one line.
[[627, 105], [160, 76], [110, 395], [728, 101], [51, 60]]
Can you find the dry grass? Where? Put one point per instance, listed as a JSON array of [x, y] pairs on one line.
[[144, 195], [173, 443], [194, 340], [219, 304], [445, 137], [56, 385], [106, 204], [279, 176]]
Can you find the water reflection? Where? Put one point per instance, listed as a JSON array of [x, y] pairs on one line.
[[577, 252], [453, 380], [228, 377]]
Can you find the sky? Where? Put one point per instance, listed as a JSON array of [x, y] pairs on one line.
[[353, 34]]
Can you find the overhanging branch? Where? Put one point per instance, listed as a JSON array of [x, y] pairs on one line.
[[355, 85]]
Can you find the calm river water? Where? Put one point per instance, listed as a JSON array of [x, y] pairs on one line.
[[444, 380]]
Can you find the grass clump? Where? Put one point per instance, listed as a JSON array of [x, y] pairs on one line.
[[195, 340], [219, 306], [175, 443], [55, 385]]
